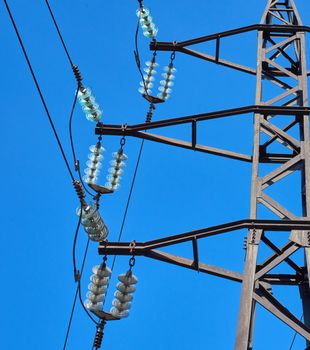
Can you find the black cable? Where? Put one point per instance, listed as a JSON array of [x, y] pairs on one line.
[[294, 337], [82, 304], [75, 297], [76, 163], [129, 198], [59, 33], [39, 90], [70, 320], [70, 126], [136, 52], [75, 240], [75, 98]]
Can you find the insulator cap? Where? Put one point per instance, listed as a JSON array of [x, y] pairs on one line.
[[114, 175], [89, 105], [146, 22], [94, 163], [93, 223], [97, 289]]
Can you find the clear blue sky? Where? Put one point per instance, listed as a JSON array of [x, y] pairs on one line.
[[176, 190]]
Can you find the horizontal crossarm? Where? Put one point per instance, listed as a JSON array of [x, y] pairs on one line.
[[122, 248], [109, 129], [172, 46], [183, 45]]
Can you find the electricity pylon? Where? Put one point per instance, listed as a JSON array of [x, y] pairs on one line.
[[281, 64]]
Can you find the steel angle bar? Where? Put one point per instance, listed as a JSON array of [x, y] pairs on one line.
[[124, 248], [279, 18], [285, 72], [271, 304], [277, 81], [110, 129], [217, 60], [277, 259], [281, 51], [193, 146], [275, 158], [281, 172], [274, 138], [171, 46], [275, 207], [190, 264], [293, 91], [282, 279], [279, 251]]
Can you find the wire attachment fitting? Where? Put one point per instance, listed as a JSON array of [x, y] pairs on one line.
[[79, 191], [78, 75], [149, 114], [99, 335]]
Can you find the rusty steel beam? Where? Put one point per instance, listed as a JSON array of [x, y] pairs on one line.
[[173, 46], [271, 304], [124, 129], [290, 249], [121, 248]]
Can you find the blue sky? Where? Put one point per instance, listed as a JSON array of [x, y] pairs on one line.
[[176, 190]]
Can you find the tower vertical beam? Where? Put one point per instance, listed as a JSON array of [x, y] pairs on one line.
[[247, 307], [305, 149], [245, 330], [281, 61]]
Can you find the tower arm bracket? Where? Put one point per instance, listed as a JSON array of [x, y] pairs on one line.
[[139, 130], [183, 45]]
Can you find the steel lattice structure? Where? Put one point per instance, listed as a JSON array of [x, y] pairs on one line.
[[281, 63]]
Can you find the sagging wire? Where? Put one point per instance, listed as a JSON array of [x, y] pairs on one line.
[[149, 116], [79, 185], [39, 90], [82, 304], [75, 297], [79, 79], [59, 33], [75, 160], [136, 51], [75, 270]]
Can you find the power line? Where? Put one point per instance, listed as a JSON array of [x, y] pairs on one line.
[[295, 334], [59, 33], [76, 162], [39, 90], [129, 198], [75, 297], [77, 274], [75, 70]]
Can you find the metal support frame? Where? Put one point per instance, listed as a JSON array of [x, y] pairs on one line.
[[281, 63]]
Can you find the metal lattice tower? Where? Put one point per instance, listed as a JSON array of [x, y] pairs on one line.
[[280, 61], [281, 64]]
